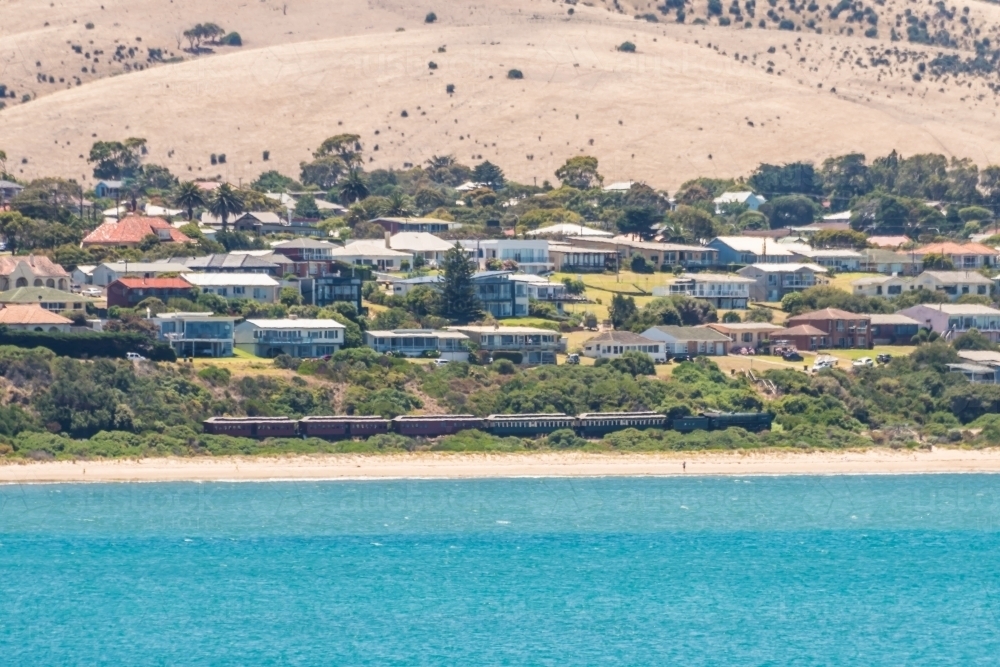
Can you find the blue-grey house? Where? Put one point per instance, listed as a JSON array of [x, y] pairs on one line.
[[499, 295], [108, 189], [746, 250]]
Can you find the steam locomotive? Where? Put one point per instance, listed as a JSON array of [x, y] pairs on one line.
[[588, 424]]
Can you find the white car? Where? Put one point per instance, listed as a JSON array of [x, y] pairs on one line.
[[134, 356], [863, 362], [92, 291], [440, 362], [823, 364]]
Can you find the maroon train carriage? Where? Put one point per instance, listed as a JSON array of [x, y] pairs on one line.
[[342, 426], [252, 427], [431, 426]]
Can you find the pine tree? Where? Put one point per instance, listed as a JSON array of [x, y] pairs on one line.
[[458, 297]]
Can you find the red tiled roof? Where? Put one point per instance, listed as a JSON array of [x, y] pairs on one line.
[[949, 248], [801, 330], [39, 265], [30, 313], [131, 229], [154, 283]]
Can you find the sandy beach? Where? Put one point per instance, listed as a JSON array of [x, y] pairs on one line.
[[549, 464]]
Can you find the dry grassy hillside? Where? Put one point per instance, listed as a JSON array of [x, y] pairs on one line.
[[694, 99]]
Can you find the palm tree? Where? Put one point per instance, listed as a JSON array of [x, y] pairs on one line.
[[226, 201], [398, 204], [353, 188], [441, 162], [189, 197]]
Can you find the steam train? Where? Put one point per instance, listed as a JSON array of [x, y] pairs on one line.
[[588, 424]]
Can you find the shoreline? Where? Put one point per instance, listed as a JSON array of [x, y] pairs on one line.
[[441, 465]]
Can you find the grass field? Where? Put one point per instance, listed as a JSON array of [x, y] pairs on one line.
[[843, 281]]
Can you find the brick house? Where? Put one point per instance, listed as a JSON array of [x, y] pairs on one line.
[[127, 292], [843, 329]]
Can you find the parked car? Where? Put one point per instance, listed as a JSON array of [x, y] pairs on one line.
[[92, 291], [573, 359], [824, 363], [883, 358], [440, 362], [134, 356], [791, 355], [863, 362]]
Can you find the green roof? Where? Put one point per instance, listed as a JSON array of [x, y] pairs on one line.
[[39, 295]]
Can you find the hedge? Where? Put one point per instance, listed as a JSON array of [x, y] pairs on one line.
[[91, 344]]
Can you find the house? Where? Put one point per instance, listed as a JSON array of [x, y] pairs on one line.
[[963, 255], [952, 283], [893, 329], [32, 317], [975, 373], [450, 345], [541, 289], [531, 256], [424, 245], [56, 301], [299, 338], [107, 273], [330, 288], [248, 220], [569, 258], [403, 287], [9, 190], [750, 250], [954, 319], [720, 289], [254, 286], [620, 187], [694, 341], [83, 274], [128, 292], [499, 295], [843, 329], [613, 344], [890, 242], [197, 334], [569, 229], [306, 250], [748, 199], [803, 337], [31, 271], [233, 262], [374, 253], [132, 230], [746, 334], [657, 254], [840, 259], [428, 225], [773, 281], [108, 189], [535, 346], [889, 262]]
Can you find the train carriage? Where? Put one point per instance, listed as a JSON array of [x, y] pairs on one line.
[[751, 421], [252, 427], [431, 426], [342, 426], [601, 423], [276, 427], [690, 424], [527, 425]]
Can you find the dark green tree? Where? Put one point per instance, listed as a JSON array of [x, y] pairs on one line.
[[116, 159], [621, 310], [306, 207], [354, 188], [225, 202], [489, 174], [189, 197], [458, 295]]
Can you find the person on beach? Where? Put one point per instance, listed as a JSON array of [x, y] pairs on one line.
[[684, 465]]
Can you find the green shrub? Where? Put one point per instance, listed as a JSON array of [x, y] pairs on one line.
[[215, 376], [515, 74], [626, 47]]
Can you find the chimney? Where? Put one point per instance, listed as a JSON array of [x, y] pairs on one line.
[[388, 244]]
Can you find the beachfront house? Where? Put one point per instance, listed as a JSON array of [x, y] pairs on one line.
[[298, 338]]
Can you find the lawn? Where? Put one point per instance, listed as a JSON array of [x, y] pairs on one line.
[[843, 281]]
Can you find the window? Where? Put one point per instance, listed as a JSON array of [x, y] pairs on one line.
[[239, 290], [895, 289], [840, 326], [981, 289]]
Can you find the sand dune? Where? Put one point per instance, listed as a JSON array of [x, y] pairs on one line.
[[682, 106]]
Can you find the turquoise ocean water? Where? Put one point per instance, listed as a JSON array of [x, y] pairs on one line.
[[850, 570]]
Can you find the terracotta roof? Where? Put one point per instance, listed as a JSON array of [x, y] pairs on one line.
[[154, 283], [30, 314], [132, 229], [801, 330], [949, 248], [38, 264], [829, 314], [623, 337]]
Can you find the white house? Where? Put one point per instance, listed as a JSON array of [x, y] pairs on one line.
[[613, 344], [531, 256], [689, 340], [722, 290], [569, 229], [373, 253], [255, 286], [773, 281], [841, 259], [302, 339], [450, 345], [952, 283], [421, 244], [749, 199]]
